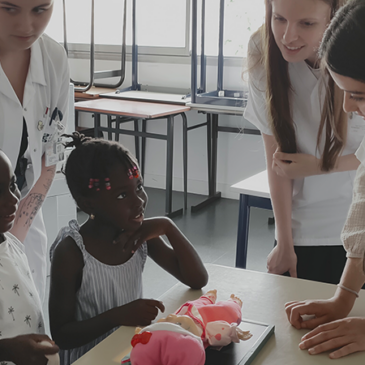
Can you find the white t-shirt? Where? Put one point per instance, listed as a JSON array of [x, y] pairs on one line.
[[320, 203], [20, 306], [46, 87]]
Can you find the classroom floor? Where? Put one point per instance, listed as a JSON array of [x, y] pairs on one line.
[[212, 231]]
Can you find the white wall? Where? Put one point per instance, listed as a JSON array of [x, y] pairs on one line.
[[239, 156]]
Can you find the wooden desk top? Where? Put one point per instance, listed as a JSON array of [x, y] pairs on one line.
[[256, 185], [137, 109], [263, 297], [93, 92]]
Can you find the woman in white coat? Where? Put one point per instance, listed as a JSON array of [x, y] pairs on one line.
[[34, 84], [309, 140]]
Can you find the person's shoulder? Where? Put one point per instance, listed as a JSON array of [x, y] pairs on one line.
[[255, 58], [54, 51], [68, 251], [13, 241], [255, 43]]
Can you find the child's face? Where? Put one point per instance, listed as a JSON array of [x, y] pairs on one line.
[[298, 27], [124, 204], [22, 22], [9, 194]]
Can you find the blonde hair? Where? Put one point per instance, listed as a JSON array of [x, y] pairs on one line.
[[278, 87]]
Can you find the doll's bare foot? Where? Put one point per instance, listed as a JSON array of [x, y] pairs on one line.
[[236, 299], [243, 335], [212, 295]]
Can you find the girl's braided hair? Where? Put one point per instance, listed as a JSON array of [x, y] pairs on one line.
[[93, 158]]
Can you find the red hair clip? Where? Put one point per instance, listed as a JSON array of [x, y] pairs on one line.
[[107, 183]]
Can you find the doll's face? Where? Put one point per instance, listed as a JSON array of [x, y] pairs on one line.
[[183, 321]]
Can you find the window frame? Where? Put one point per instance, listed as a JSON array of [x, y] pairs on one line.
[[83, 49]]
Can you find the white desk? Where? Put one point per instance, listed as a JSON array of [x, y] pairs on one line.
[[254, 192], [147, 96], [264, 296]]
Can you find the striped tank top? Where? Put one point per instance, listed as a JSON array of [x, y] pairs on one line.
[[103, 287]]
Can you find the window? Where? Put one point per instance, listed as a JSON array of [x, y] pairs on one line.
[[241, 19], [163, 26]]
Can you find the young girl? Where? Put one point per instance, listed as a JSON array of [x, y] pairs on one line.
[[34, 85], [311, 183], [345, 61], [21, 320], [100, 287]]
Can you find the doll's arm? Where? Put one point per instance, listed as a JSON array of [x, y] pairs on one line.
[[221, 333]]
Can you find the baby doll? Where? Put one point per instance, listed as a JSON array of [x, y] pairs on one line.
[[180, 338]]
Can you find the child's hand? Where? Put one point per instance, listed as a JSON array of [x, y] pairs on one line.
[[28, 350], [324, 311], [347, 335], [150, 228], [140, 312]]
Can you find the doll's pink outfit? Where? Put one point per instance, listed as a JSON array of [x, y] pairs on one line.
[[218, 321]]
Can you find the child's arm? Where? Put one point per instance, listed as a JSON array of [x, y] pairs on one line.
[[181, 261], [32, 203], [66, 276], [26, 349]]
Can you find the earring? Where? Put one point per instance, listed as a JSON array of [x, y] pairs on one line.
[[92, 216]]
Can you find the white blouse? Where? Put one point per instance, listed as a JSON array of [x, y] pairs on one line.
[[320, 203], [20, 306]]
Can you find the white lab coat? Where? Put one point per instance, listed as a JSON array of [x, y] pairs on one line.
[[320, 203], [47, 86]]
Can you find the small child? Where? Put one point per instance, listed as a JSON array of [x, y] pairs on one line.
[[21, 319], [96, 274]]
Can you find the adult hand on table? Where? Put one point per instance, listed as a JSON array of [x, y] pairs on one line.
[[281, 260], [295, 165], [346, 335], [323, 310]]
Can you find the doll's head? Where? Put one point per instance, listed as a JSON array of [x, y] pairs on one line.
[[183, 321], [105, 181], [9, 194], [166, 344]]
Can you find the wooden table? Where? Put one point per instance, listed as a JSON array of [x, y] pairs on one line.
[[125, 110], [254, 192], [264, 296]]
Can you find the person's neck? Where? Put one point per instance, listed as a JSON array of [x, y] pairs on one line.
[[100, 231], [313, 62], [6, 54], [2, 238]]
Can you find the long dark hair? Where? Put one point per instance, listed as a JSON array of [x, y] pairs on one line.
[[343, 45], [278, 90]]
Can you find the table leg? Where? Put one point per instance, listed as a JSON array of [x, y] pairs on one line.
[[136, 141], [144, 140], [110, 134], [169, 169], [97, 124], [242, 234], [185, 159], [212, 143]]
